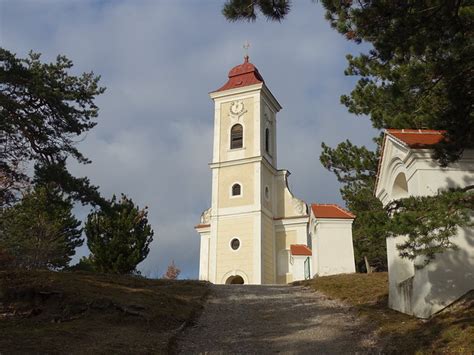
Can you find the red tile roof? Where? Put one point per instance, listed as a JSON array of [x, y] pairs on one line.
[[300, 249], [330, 211], [244, 74], [202, 226], [417, 138]]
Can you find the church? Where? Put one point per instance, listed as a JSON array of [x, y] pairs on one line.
[[256, 231]]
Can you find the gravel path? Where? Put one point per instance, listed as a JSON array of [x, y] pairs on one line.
[[272, 319]]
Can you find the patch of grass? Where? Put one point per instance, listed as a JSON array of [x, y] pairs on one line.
[[354, 288], [450, 331], [79, 312]]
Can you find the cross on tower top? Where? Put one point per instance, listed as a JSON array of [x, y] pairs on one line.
[[246, 50]]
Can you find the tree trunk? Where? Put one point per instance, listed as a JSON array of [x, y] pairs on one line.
[[367, 265]]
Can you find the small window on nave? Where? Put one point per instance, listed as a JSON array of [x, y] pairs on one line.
[[236, 136], [267, 193], [236, 190]]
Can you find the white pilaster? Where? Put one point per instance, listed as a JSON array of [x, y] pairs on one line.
[[213, 250], [217, 133], [257, 112], [204, 257], [257, 245]]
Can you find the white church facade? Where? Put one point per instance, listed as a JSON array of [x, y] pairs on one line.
[[256, 231], [406, 169]]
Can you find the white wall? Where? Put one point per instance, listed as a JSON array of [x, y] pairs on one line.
[[447, 278], [298, 266], [424, 291], [333, 251], [295, 232], [401, 273]]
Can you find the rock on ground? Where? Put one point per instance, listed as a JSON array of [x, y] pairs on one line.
[[273, 319]]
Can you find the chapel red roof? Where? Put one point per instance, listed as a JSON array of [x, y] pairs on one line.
[[244, 74], [417, 138], [330, 211], [300, 249]]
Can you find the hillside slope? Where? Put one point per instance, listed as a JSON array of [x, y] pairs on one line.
[[450, 331], [51, 312]]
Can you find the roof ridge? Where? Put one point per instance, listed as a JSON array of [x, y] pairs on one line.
[[336, 206], [295, 249], [415, 131], [344, 210]]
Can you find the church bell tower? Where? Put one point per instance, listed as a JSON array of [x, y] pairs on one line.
[[238, 232]]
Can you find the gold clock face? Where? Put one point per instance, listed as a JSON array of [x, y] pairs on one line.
[[237, 107]]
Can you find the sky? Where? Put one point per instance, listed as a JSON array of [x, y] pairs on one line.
[[159, 60]]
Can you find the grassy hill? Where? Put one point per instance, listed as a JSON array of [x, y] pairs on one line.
[[450, 331], [51, 312], [66, 312]]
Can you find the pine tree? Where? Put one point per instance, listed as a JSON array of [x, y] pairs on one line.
[[40, 231], [44, 110], [429, 222], [274, 10], [118, 236]]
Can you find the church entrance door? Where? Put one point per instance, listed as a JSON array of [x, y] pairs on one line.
[[235, 280]]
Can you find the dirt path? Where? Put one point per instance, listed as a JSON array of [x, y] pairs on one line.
[[269, 319]]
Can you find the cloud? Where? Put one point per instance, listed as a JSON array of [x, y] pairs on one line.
[[159, 60]]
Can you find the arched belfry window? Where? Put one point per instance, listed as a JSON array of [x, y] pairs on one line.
[[236, 136], [236, 190], [267, 140]]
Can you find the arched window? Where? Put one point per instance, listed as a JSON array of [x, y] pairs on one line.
[[236, 190], [267, 140], [236, 135]]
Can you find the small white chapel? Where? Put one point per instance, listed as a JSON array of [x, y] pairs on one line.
[[256, 231], [406, 168]]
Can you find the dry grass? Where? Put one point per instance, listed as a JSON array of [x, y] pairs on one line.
[[50, 312], [451, 331]]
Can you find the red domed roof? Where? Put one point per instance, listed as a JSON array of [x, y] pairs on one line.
[[242, 75]]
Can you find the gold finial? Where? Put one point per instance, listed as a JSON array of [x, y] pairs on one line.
[[246, 49]]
